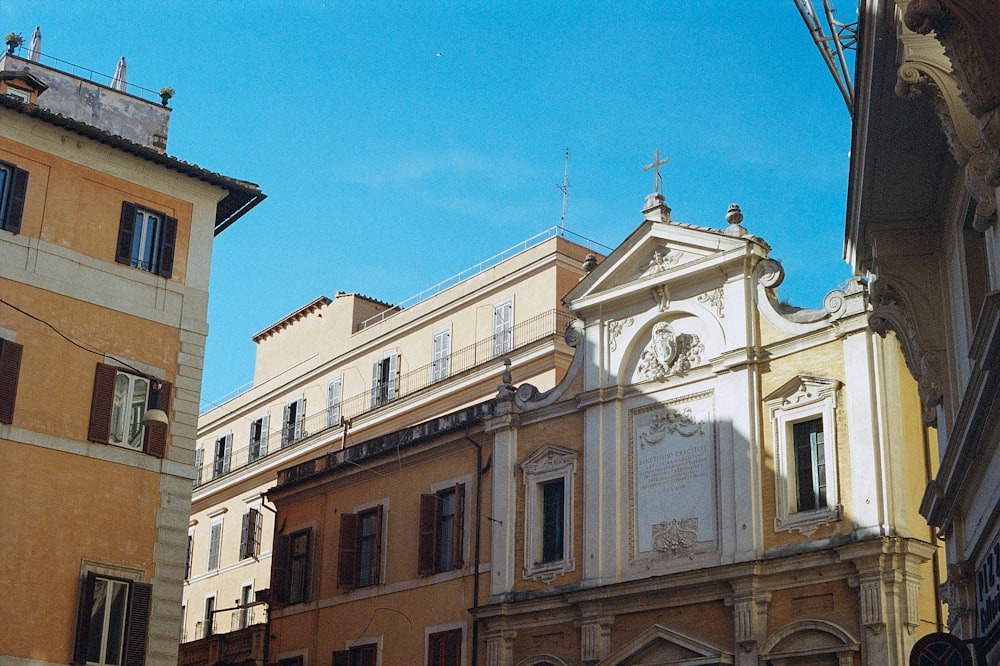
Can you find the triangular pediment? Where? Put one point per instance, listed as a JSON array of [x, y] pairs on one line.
[[656, 253], [802, 389], [660, 645]]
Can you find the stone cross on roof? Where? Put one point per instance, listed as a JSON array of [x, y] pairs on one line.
[[655, 166]]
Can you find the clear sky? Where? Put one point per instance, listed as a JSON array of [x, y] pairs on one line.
[[400, 143]]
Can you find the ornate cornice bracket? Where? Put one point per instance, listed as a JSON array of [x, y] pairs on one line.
[[890, 313]]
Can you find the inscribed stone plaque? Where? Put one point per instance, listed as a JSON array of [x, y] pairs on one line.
[[673, 475]]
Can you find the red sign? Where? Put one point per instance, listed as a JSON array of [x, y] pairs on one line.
[[940, 649]]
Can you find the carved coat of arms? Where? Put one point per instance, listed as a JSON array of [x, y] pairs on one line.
[[669, 353]]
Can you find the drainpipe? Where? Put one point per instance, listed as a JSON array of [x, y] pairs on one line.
[[475, 573]]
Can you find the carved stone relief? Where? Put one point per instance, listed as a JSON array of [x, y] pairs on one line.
[[671, 421], [714, 298], [615, 328], [669, 353], [675, 536], [662, 259]]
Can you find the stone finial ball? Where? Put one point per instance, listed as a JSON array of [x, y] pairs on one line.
[[734, 215]]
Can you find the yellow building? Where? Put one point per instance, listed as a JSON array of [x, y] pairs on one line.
[[347, 369], [922, 218], [105, 244], [716, 479]]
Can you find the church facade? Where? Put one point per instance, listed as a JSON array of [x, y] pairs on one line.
[[717, 479]]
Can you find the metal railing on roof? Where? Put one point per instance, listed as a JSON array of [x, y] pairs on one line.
[[482, 266], [545, 325], [87, 74]]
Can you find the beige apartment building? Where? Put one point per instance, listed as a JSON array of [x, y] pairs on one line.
[[346, 369]]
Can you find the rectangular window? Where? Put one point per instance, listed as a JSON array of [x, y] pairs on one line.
[[112, 621], [10, 370], [810, 464], [250, 536], [359, 564], [553, 507], [190, 554], [503, 327], [445, 648], [441, 355], [223, 455], [290, 566], [359, 655], [245, 613], [291, 423], [120, 401], [441, 531], [199, 461], [146, 240], [208, 621], [334, 391], [215, 544], [13, 189], [258, 438], [385, 373]]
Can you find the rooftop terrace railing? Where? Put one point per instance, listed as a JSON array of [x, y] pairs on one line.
[[87, 74], [545, 325]]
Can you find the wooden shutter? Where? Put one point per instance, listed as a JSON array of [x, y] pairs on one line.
[[167, 242], [83, 618], [426, 551], [280, 558], [140, 599], [245, 536], [256, 528], [227, 449], [347, 560], [393, 377], [101, 403], [458, 533], [341, 658], [333, 393], [15, 205], [300, 412], [126, 230], [155, 443], [264, 425], [376, 371], [377, 554], [10, 369]]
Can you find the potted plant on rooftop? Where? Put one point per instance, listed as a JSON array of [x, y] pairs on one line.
[[13, 40], [165, 94]]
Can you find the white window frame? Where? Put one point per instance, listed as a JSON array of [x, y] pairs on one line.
[[442, 628], [199, 461], [189, 562], [292, 432], [207, 620], [263, 422], [334, 401], [441, 354], [503, 330], [221, 466], [804, 398], [244, 616], [184, 617], [17, 93], [259, 531], [391, 384], [215, 545], [126, 414], [549, 463]]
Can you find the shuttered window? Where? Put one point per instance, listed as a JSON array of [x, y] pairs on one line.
[[385, 379], [334, 392], [258, 438], [360, 552], [146, 240], [10, 370], [445, 648], [441, 531], [112, 621], [120, 400], [291, 568], [250, 534], [13, 189], [215, 545], [223, 455], [291, 426]]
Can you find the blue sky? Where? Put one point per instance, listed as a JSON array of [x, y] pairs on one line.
[[400, 143]]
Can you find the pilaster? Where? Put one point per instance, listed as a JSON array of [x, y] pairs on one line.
[[749, 606], [500, 647]]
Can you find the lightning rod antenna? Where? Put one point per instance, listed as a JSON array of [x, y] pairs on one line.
[[564, 188]]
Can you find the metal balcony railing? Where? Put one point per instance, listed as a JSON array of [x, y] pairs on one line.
[[546, 325]]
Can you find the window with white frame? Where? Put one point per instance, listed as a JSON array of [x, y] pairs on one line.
[[223, 455], [146, 239], [334, 393], [441, 355], [127, 410], [244, 615], [113, 619], [385, 376], [291, 422], [258, 438], [118, 404], [215, 544], [803, 417], [503, 327], [208, 619], [548, 520], [190, 554]]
